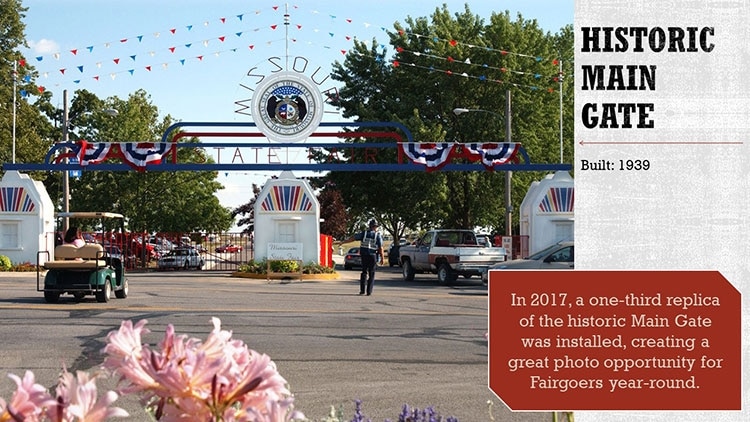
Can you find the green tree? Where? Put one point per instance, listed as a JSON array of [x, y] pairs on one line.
[[420, 87], [247, 212], [34, 134], [152, 201]]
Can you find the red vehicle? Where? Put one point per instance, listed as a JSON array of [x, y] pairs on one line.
[[229, 248]]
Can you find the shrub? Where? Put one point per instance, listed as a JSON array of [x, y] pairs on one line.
[[260, 267], [5, 264]]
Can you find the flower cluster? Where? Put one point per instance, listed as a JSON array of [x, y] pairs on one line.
[[181, 380], [75, 399], [220, 379]]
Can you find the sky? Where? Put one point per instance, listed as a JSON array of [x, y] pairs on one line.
[[193, 57]]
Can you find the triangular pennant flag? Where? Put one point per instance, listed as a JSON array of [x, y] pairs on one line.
[[90, 48], [80, 69], [117, 61], [62, 71], [77, 81], [131, 71], [56, 56], [133, 57], [96, 78], [124, 40], [221, 39], [251, 46], [200, 58], [39, 58], [189, 27], [113, 76], [41, 89], [273, 27], [173, 30], [164, 66], [140, 38], [239, 17], [188, 45], [27, 78], [239, 34], [205, 43], [106, 45], [148, 68], [182, 62], [171, 49], [299, 26], [74, 52], [223, 20]]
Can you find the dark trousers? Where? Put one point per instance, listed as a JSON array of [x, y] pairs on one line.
[[368, 274]]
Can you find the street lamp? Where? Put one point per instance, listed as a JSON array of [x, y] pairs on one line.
[[508, 174]]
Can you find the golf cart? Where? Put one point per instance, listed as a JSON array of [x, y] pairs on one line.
[[87, 270]]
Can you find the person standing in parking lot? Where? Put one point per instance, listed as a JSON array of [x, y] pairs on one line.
[[370, 248]]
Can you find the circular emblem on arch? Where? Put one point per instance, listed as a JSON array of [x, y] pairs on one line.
[[287, 107]]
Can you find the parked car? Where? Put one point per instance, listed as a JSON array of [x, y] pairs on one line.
[[180, 258], [228, 248], [393, 254], [559, 256], [352, 259]]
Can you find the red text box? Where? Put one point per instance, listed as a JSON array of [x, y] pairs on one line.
[[614, 340]]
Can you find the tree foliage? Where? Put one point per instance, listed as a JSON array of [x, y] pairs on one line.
[[152, 201], [30, 133], [405, 87]]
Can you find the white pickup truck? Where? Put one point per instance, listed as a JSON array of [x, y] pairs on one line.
[[448, 253]]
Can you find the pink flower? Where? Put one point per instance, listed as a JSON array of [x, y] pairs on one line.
[[28, 401], [80, 402], [187, 379]]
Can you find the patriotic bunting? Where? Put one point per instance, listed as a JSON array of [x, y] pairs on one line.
[[433, 156], [136, 154], [436, 155]]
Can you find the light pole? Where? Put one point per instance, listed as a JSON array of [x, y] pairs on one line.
[[508, 174]]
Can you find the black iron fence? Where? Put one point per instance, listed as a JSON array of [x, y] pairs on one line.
[[224, 251]]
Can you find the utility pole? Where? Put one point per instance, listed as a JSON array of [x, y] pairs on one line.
[[508, 174], [66, 175]]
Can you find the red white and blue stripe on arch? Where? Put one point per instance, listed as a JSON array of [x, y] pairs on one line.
[[436, 155], [136, 154]]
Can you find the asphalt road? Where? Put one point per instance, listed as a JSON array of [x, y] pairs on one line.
[[413, 343]]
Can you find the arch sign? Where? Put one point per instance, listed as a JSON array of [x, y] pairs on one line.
[[287, 103]]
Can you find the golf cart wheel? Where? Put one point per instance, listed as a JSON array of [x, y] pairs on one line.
[[106, 292], [122, 293], [51, 297]]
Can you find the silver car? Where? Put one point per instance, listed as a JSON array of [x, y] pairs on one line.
[[559, 256], [181, 258]]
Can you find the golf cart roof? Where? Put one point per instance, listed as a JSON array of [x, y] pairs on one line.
[[89, 214]]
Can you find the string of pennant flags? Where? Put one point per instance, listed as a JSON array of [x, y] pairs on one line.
[[342, 44]]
